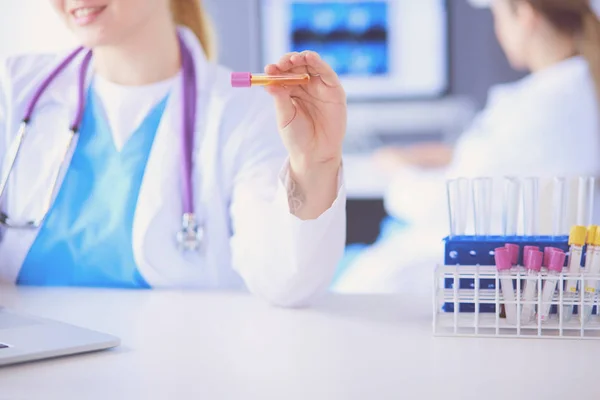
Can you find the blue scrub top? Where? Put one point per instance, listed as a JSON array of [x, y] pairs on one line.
[[86, 238]]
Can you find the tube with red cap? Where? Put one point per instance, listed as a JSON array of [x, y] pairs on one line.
[[513, 249], [247, 79], [502, 256], [526, 251], [533, 263], [547, 252], [555, 267]]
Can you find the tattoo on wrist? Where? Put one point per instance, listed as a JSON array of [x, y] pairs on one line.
[[295, 196]]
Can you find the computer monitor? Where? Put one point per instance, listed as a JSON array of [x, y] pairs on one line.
[[381, 49]]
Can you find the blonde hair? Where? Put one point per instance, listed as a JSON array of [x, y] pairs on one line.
[[578, 19], [192, 14]]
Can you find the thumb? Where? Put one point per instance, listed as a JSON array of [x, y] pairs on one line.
[[285, 106]]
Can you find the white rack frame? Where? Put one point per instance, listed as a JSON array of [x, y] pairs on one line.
[[487, 324]]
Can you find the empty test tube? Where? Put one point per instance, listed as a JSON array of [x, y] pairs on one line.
[[559, 206], [458, 205], [511, 206], [482, 205], [585, 201], [247, 79], [531, 206]]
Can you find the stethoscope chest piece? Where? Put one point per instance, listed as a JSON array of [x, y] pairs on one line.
[[191, 235]]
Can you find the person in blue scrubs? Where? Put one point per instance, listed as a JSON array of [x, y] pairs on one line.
[[264, 170]]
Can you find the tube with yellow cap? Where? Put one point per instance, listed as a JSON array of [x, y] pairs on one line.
[[592, 273], [576, 241], [589, 251]]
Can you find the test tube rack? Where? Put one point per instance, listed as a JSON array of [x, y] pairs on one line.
[[468, 300], [479, 250]]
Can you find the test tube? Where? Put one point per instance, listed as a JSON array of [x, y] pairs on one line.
[[555, 267], [547, 253], [534, 265], [458, 205], [482, 205], [513, 249], [502, 256], [585, 201], [531, 206], [526, 250], [576, 242], [591, 285], [590, 245], [247, 79], [559, 206], [511, 206]]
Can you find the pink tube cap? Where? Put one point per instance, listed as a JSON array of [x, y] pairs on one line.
[[526, 250], [534, 260], [557, 261], [547, 252], [241, 79], [503, 258], [514, 252]]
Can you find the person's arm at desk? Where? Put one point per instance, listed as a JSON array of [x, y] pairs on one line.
[[290, 227]]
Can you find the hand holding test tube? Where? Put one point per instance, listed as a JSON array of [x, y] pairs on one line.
[[247, 79], [502, 256], [555, 267], [533, 263]]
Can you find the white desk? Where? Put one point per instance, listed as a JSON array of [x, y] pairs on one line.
[[231, 346]]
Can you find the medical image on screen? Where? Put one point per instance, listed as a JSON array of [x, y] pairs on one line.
[[351, 36]]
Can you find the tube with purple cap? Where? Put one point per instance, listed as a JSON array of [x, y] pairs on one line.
[[502, 256], [526, 251], [555, 267], [247, 79], [513, 249], [533, 263], [547, 252]]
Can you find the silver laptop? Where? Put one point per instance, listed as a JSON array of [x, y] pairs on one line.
[[27, 338]]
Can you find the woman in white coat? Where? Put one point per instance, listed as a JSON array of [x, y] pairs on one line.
[[545, 125], [256, 176]]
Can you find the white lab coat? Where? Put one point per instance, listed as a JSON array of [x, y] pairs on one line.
[[545, 125], [239, 167]]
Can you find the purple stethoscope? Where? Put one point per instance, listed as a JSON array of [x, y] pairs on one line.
[[191, 235]]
